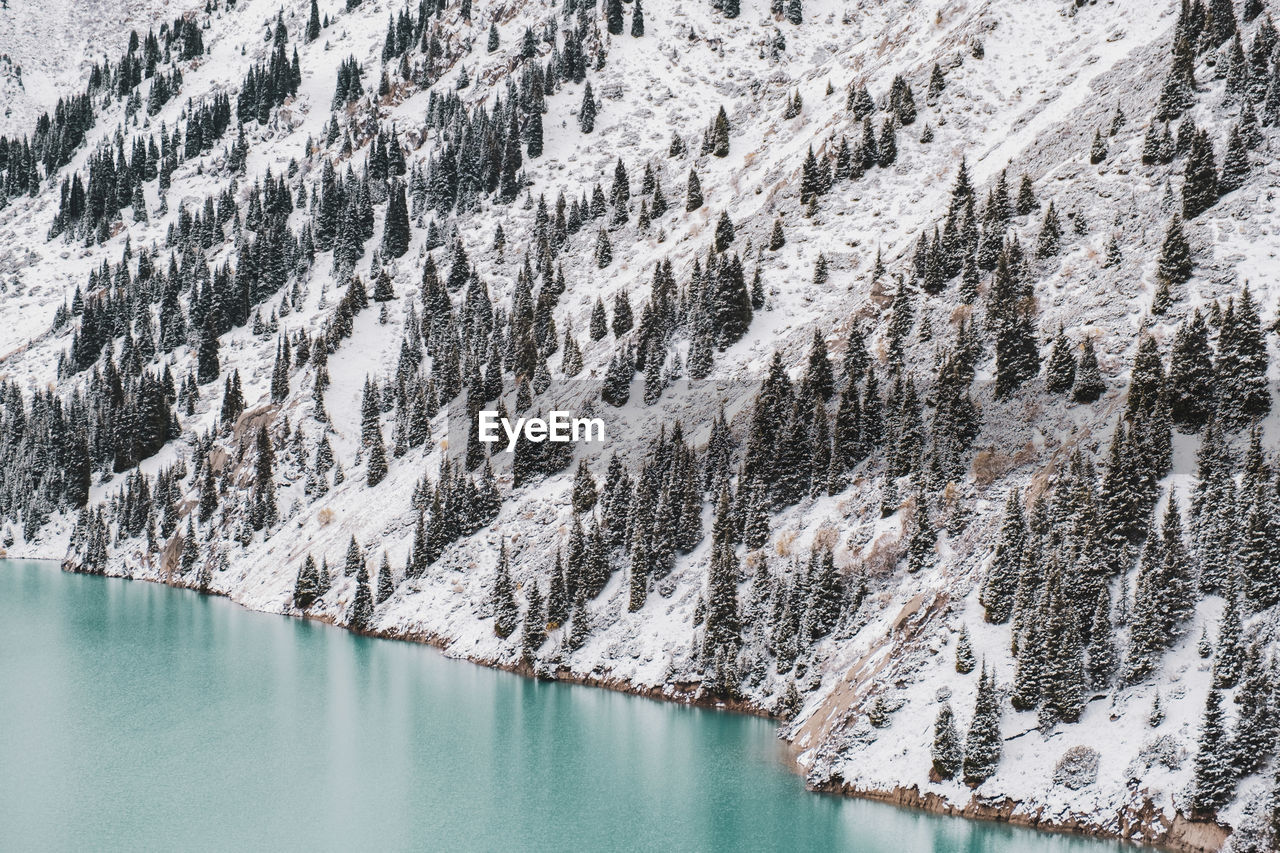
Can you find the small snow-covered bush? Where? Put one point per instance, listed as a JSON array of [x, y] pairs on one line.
[[1165, 751], [1078, 768], [1255, 833]]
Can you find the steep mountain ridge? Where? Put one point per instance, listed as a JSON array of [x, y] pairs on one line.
[[1024, 89]]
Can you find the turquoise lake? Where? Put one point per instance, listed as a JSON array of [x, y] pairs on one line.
[[138, 717]]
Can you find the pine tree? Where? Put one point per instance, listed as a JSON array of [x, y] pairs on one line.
[[923, 541], [819, 375], [361, 612], [1175, 263], [1235, 164], [820, 273], [587, 112], [263, 510], [1088, 385], [937, 83], [1102, 649], [1156, 715], [1192, 382], [622, 314], [385, 584], [731, 310], [795, 11], [395, 231], [207, 368], [1112, 258], [1062, 676], [948, 756], [965, 661], [1243, 395], [777, 240], [721, 627], [720, 134], [1098, 152], [1050, 234], [377, 471], [1061, 373], [1017, 357], [599, 324], [1026, 197], [983, 744], [1200, 190], [313, 23], [584, 489], [502, 598], [1001, 582], [826, 595], [558, 594], [1257, 725], [534, 632], [604, 250], [693, 193], [637, 21], [354, 558], [1176, 573], [724, 232], [1213, 783], [887, 144], [613, 16], [305, 588], [1228, 660]]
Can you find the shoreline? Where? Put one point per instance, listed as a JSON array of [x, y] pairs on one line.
[[1181, 836]]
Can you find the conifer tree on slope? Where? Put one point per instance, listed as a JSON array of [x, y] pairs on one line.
[[263, 511], [1241, 366], [613, 16], [983, 744], [1257, 726], [948, 756], [1061, 370], [313, 23], [534, 632], [1214, 779], [587, 112], [1088, 385], [1001, 582], [395, 233], [1228, 658], [386, 586], [1102, 648], [1200, 189], [722, 631], [502, 599], [1062, 678], [306, 586], [965, 661], [361, 612], [1192, 382], [1175, 264], [1017, 357]]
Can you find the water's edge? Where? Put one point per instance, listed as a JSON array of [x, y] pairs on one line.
[[1182, 835]]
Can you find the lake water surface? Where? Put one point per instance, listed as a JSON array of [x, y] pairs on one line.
[[138, 717]]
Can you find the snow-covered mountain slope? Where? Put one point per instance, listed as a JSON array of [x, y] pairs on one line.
[[836, 604], [51, 46]]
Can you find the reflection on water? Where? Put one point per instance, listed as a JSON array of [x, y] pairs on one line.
[[134, 716]]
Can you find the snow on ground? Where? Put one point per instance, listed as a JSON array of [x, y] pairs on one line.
[[1049, 77]]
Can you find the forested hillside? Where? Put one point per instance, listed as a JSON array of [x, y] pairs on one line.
[[934, 341]]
